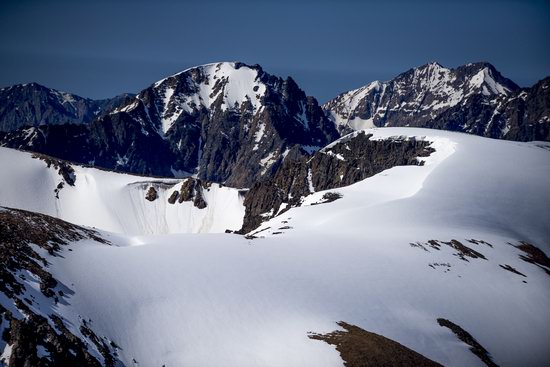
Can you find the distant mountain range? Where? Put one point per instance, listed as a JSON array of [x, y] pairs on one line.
[[32, 104], [212, 119], [473, 98]]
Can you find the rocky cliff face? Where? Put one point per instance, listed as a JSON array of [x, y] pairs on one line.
[[208, 120], [473, 98], [349, 160], [526, 116], [32, 104], [221, 116]]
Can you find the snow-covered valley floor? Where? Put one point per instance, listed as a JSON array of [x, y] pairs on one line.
[[224, 299]]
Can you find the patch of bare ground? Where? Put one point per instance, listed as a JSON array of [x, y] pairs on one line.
[[479, 242], [361, 348], [512, 269], [467, 338], [329, 197], [463, 251], [191, 190], [152, 194], [534, 255]]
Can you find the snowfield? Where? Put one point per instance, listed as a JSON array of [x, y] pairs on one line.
[[114, 201], [192, 299]]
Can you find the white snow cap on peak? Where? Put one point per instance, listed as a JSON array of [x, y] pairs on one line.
[[484, 79], [234, 82]]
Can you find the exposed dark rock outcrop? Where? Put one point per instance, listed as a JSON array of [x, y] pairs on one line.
[[467, 338], [361, 348], [18, 230], [64, 168], [199, 201], [114, 142], [463, 252], [480, 242], [349, 160], [329, 197], [173, 197], [526, 115], [26, 335], [191, 190], [151, 194], [187, 190], [534, 255], [512, 270]]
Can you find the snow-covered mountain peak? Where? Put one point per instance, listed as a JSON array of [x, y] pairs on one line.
[[229, 85], [420, 96], [208, 120], [485, 81], [431, 67], [480, 77]]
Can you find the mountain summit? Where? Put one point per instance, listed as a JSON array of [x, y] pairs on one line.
[[473, 98], [234, 123], [219, 116], [206, 120]]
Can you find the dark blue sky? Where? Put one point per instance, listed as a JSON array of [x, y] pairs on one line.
[[98, 49]]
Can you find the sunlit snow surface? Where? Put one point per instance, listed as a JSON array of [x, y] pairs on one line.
[[113, 201], [221, 299]]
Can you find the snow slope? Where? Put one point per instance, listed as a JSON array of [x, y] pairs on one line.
[[469, 182], [112, 201], [223, 299]]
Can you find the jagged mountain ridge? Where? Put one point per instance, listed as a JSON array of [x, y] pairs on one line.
[[209, 120], [220, 116], [473, 98], [206, 120], [32, 104]]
